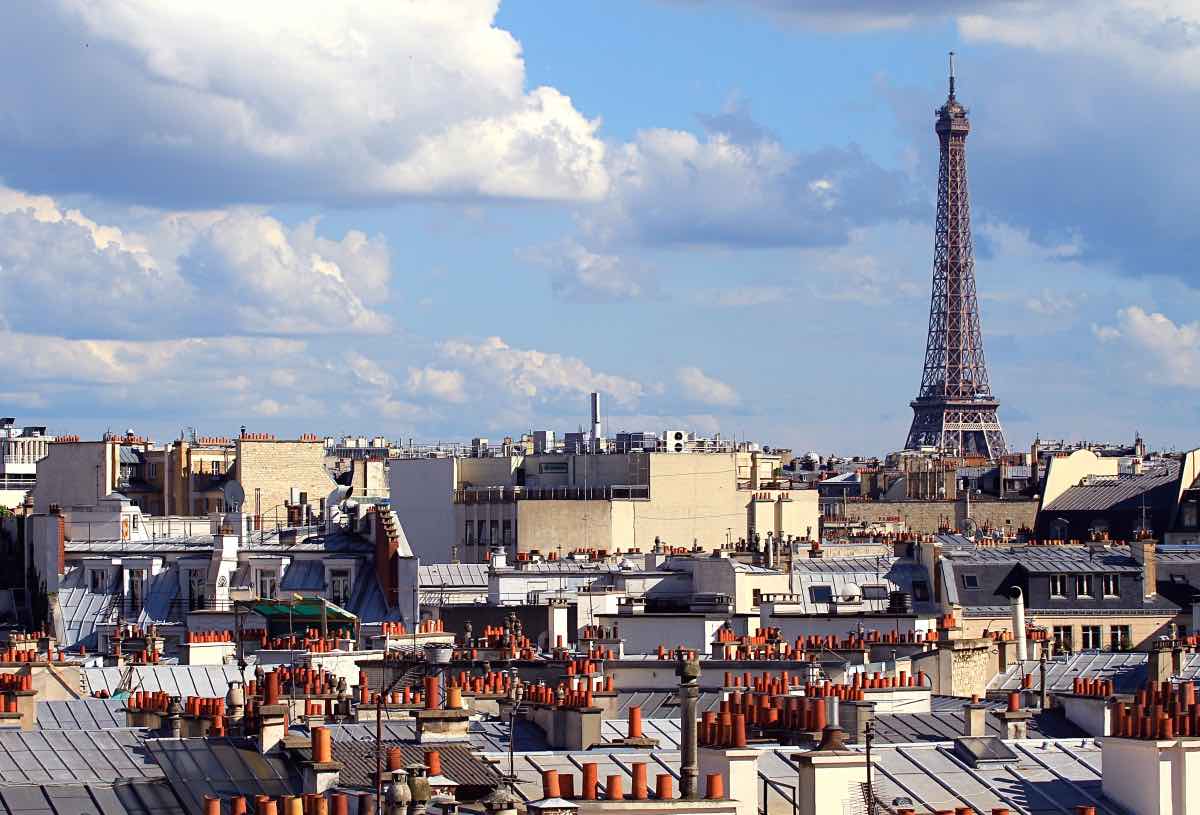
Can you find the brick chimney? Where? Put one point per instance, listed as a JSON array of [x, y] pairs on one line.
[[1144, 553], [975, 718]]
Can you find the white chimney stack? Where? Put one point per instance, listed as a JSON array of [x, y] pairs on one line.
[[1018, 621], [597, 430]]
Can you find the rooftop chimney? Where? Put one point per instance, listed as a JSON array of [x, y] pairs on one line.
[[1018, 623], [596, 427], [975, 718], [1143, 552], [688, 671]]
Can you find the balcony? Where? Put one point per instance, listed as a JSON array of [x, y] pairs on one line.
[[508, 495]]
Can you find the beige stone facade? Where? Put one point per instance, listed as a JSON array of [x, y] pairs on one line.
[[1138, 630], [273, 473], [929, 517], [614, 502]]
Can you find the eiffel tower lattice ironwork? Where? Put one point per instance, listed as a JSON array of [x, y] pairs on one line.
[[955, 411]]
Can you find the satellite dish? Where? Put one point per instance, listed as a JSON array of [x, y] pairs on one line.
[[851, 592], [235, 496]]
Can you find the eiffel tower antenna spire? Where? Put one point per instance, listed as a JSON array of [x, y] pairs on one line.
[[954, 412]]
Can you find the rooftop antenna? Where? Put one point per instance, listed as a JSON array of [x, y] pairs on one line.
[[951, 74]]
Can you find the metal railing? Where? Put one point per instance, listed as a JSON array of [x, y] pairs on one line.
[[507, 495]]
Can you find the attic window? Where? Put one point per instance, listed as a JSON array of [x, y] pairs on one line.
[[920, 590], [875, 592], [820, 594], [970, 581]]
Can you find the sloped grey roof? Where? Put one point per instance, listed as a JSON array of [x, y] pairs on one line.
[[304, 575], [82, 714], [1099, 493], [1050, 776], [656, 703], [484, 735], [223, 767], [49, 756], [80, 610], [132, 797], [1051, 559], [894, 574], [454, 575], [178, 680], [1126, 670], [946, 725]]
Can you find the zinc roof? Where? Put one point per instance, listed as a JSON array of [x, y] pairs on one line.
[[1126, 670], [121, 798], [82, 714], [221, 766], [178, 680], [1098, 493], [50, 756], [454, 575], [1048, 776]]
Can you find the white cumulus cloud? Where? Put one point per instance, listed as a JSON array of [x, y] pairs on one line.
[[183, 274], [700, 387], [536, 376], [295, 100], [447, 386]]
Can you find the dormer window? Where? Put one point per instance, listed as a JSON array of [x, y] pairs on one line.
[[339, 586], [268, 584], [97, 581]]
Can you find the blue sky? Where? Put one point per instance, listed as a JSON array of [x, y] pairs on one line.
[[439, 220]]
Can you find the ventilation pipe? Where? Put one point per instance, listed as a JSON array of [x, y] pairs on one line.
[[1018, 622], [596, 428]]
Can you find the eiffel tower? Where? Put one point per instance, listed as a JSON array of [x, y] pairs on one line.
[[955, 412]]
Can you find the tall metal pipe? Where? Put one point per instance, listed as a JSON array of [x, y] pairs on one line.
[[689, 695], [596, 428], [1018, 621]]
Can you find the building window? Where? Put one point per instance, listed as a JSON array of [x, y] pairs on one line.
[[494, 531], [137, 584], [506, 531], [469, 533], [970, 581], [1089, 637], [268, 583], [197, 584], [481, 534], [1062, 638], [820, 594], [152, 470], [1119, 637], [874, 592], [756, 597], [920, 590], [1189, 516], [98, 581], [1083, 586], [339, 586], [1058, 585], [1112, 585]]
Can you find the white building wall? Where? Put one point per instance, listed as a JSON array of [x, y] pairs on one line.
[[422, 496], [74, 474]]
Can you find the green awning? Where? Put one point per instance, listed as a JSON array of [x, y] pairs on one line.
[[303, 612]]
